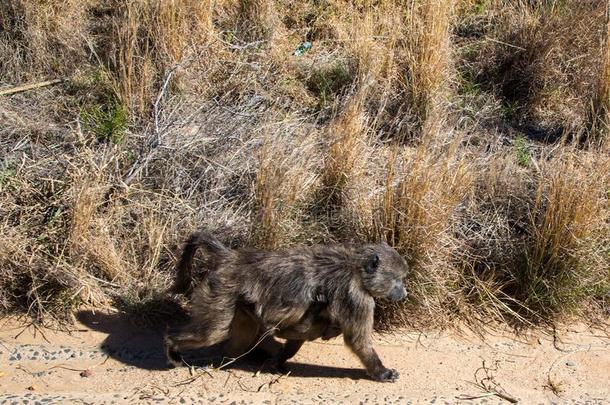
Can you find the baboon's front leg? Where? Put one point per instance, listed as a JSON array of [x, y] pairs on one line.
[[363, 348], [357, 334]]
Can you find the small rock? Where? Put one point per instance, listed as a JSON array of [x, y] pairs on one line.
[[85, 373], [31, 388]]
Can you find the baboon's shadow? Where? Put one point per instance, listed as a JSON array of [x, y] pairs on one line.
[[142, 347]]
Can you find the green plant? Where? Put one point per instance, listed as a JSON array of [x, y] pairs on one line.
[[229, 36], [510, 109], [328, 80], [6, 174], [470, 88], [107, 121], [480, 6], [522, 151]]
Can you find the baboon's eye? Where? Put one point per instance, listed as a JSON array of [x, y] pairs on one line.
[[373, 264]]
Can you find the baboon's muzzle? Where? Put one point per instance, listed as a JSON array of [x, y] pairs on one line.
[[398, 293]]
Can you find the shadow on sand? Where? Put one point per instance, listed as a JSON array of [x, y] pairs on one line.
[[142, 347]]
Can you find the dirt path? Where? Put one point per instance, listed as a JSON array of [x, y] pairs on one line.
[[107, 360]]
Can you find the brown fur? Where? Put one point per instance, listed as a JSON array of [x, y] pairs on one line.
[[299, 294]]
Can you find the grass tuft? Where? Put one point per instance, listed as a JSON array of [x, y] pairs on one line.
[[327, 81], [522, 151], [108, 122], [563, 257]]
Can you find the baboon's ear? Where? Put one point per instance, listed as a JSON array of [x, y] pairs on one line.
[[372, 264]]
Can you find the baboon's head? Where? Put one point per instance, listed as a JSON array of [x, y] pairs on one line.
[[383, 272]]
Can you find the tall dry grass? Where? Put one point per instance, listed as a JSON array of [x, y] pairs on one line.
[[565, 259], [257, 19], [533, 240], [601, 104], [427, 60], [283, 182], [424, 187], [151, 38], [339, 198]]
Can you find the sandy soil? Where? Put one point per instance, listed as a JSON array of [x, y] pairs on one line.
[[105, 359]]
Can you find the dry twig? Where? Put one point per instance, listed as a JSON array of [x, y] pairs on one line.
[[32, 86], [489, 385]]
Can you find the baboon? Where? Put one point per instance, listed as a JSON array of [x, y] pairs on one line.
[[298, 294]]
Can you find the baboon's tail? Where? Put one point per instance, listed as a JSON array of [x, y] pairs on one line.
[[184, 275]]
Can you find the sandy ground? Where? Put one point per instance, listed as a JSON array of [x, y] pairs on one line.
[[105, 359]]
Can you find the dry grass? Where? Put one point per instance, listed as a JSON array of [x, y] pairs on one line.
[[423, 190], [283, 183], [41, 38], [449, 128], [565, 259], [427, 60], [151, 38], [534, 240], [342, 189], [601, 104], [542, 60]]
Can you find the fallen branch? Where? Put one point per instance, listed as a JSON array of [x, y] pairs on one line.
[[27, 87]]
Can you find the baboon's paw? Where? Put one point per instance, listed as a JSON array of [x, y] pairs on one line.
[[387, 375]]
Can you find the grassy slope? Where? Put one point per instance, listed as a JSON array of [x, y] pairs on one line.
[[470, 134]]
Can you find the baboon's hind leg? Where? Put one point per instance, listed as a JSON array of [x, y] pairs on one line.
[[190, 337], [206, 328], [248, 336], [244, 333]]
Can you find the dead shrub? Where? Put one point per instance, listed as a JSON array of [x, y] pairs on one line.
[[601, 103]]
